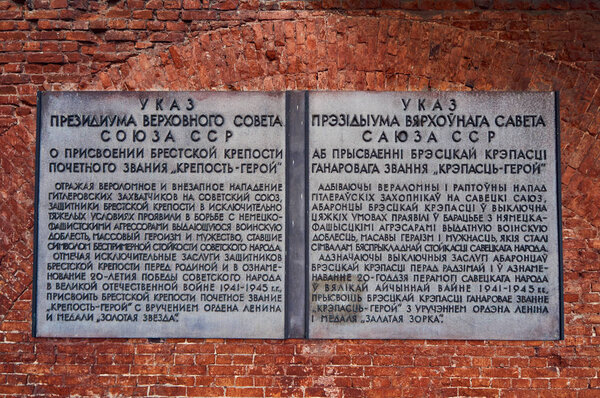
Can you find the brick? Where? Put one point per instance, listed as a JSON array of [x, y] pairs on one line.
[[226, 370], [205, 391], [142, 14], [155, 25], [120, 36], [168, 390], [42, 14], [58, 4], [539, 372], [80, 36], [225, 4], [192, 4], [16, 390], [198, 15], [244, 392], [167, 15], [234, 349], [165, 37], [137, 25], [10, 57], [98, 25], [154, 4], [118, 24], [111, 369], [10, 14]]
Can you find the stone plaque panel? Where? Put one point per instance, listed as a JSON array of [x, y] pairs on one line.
[[160, 214], [405, 215], [433, 215]]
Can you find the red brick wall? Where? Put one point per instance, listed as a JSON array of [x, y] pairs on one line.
[[277, 45]]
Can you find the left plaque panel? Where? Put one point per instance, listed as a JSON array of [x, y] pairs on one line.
[[160, 214]]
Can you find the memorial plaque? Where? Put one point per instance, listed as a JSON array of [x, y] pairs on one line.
[[160, 214], [433, 215], [285, 215]]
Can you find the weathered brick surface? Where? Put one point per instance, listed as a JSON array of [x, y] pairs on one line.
[[277, 45]]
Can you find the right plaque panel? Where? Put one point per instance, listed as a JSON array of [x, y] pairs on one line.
[[433, 216]]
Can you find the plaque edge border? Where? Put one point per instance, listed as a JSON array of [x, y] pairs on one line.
[[561, 301], [36, 199]]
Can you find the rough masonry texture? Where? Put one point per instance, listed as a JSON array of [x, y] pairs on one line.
[[286, 45]]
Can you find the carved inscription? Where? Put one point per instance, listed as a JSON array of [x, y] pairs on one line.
[[161, 215], [426, 215], [433, 215]]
